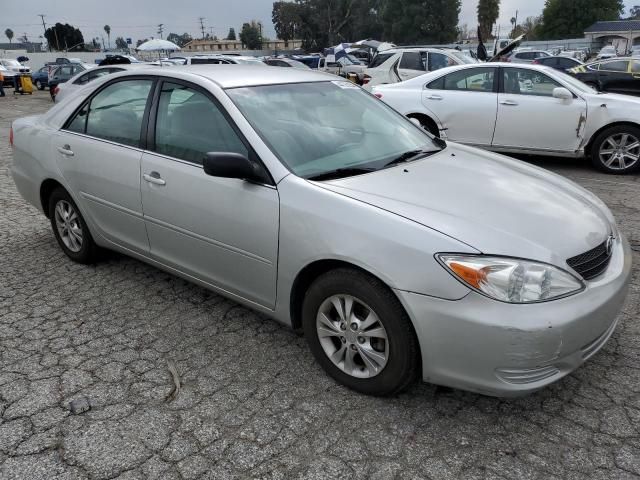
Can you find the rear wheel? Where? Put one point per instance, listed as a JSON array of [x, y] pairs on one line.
[[428, 124], [359, 333], [39, 85], [70, 229], [617, 150]]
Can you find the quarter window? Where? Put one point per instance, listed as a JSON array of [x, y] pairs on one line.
[[438, 61], [115, 114], [528, 82], [189, 125], [474, 80]]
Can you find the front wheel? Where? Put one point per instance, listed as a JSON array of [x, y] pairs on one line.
[[359, 333], [39, 85], [617, 150]]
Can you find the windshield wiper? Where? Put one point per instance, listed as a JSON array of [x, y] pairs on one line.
[[341, 173], [410, 156]]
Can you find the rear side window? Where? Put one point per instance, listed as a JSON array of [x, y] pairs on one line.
[[473, 80], [617, 66], [437, 84], [189, 125], [379, 59], [115, 114], [636, 66], [412, 61]]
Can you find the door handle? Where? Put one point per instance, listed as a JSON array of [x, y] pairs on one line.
[[434, 97], [66, 150], [154, 177], [509, 103]]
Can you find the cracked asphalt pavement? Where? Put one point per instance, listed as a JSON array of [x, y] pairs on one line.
[[253, 402]]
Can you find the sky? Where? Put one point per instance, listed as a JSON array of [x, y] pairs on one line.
[[142, 20]]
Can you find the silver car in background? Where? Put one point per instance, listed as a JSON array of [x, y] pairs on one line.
[[399, 255]]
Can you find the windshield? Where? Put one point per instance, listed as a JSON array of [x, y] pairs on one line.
[[315, 128], [462, 57], [574, 82]]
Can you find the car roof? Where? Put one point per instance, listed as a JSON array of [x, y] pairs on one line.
[[235, 76]]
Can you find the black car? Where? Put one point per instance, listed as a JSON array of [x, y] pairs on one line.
[[559, 63], [615, 75]]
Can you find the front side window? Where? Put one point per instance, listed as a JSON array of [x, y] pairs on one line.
[[115, 114], [474, 80], [528, 82], [82, 80], [635, 68], [617, 66], [346, 129], [190, 124]]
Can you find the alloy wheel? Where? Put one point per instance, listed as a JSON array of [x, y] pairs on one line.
[[352, 336], [68, 225], [620, 151]]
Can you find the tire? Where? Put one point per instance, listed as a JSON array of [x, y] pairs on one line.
[[83, 251], [400, 350], [617, 140], [429, 125], [39, 85]]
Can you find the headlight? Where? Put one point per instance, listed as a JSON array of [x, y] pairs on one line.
[[510, 279]]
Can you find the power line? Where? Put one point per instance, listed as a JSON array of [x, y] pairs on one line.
[[160, 29]]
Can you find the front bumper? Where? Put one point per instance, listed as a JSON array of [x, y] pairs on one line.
[[503, 349]]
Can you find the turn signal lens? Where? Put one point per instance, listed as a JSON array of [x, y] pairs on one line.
[[510, 279]]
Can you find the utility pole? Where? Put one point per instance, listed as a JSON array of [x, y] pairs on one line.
[[44, 25], [160, 29], [202, 26]]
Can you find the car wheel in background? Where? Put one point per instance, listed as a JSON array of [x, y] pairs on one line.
[[428, 124], [70, 229], [39, 85], [617, 150], [359, 333]]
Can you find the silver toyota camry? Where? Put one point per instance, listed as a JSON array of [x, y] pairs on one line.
[[300, 195]]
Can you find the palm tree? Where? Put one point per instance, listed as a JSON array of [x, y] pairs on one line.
[[9, 33], [107, 29]]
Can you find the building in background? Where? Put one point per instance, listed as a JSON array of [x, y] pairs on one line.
[[225, 46], [622, 34]]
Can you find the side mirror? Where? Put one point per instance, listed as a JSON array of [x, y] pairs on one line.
[[562, 93], [230, 165]]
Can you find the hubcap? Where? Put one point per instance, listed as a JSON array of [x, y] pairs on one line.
[[352, 336], [620, 151], [68, 225]]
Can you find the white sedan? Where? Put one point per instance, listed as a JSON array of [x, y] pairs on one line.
[[527, 109]]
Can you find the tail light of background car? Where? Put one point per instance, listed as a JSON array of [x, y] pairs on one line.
[[56, 90], [536, 62], [379, 95], [366, 79]]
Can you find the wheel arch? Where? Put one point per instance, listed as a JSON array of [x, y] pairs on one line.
[[589, 145], [46, 189], [308, 275], [427, 120]]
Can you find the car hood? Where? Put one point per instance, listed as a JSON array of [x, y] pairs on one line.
[[492, 203]]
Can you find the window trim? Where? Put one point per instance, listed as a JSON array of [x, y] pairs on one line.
[[152, 119], [89, 99]]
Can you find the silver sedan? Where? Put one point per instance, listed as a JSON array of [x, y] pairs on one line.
[[300, 195]]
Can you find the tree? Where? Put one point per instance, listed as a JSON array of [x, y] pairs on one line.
[[232, 34], [107, 29], [250, 35], [569, 18], [635, 13], [121, 44], [488, 13], [286, 17], [180, 40], [140, 42], [531, 27], [421, 21], [62, 37], [9, 33]]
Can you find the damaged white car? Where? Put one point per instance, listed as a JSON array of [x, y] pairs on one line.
[[528, 109]]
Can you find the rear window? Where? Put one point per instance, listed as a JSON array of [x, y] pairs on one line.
[[379, 59]]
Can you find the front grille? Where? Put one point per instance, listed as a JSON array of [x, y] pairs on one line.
[[592, 263]]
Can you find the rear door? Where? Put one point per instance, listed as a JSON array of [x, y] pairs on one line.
[[529, 117], [465, 102], [99, 152], [223, 231]]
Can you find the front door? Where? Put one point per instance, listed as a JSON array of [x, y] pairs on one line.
[[99, 154], [220, 230], [475, 88], [529, 117]]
